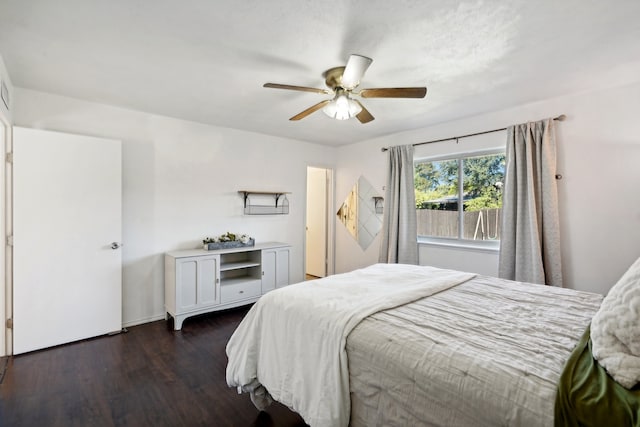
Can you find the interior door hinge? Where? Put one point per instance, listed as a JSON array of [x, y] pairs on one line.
[[9, 240], [9, 157], [9, 323]]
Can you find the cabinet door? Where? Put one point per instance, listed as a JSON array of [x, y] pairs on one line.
[[186, 283], [282, 267], [275, 268], [208, 281], [197, 282], [268, 270]]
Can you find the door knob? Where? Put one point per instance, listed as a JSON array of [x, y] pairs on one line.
[[115, 245]]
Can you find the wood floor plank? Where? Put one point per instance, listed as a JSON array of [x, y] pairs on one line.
[[149, 376]]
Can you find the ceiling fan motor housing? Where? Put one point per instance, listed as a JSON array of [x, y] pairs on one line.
[[333, 77]]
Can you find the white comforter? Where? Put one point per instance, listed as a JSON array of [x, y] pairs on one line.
[[292, 341]]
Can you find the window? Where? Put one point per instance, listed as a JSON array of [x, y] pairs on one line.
[[460, 197]]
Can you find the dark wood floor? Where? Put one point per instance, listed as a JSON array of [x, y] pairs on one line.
[[149, 376]]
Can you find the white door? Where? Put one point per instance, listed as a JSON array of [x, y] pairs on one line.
[[316, 240], [67, 213]]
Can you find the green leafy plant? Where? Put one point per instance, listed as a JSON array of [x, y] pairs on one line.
[[228, 237]]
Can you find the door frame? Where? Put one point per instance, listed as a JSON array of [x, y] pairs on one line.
[[6, 252], [330, 226]]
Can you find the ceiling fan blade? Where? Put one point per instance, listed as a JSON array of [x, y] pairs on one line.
[[395, 92], [310, 110], [354, 70], [300, 88], [363, 116]]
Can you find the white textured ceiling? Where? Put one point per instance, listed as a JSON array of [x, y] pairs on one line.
[[206, 60]]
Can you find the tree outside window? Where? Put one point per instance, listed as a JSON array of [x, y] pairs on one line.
[[460, 197]]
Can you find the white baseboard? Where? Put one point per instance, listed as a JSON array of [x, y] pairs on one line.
[[143, 320]]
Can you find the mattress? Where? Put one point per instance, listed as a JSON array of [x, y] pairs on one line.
[[488, 352]]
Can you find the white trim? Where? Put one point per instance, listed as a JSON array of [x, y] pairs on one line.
[[4, 301], [331, 220], [6, 255], [143, 320], [478, 246]]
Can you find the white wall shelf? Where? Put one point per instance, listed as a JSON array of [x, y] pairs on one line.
[[259, 202]]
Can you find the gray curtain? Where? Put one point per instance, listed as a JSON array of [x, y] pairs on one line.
[[399, 225], [530, 235]]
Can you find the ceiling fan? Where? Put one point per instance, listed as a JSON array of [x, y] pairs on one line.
[[342, 83]]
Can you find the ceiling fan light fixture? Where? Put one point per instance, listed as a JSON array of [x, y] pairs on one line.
[[342, 108]]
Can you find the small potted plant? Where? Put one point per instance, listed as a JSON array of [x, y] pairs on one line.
[[228, 240]]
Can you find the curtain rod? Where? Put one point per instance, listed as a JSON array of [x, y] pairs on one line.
[[560, 118]]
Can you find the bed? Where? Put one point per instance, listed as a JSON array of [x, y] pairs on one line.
[[399, 345]]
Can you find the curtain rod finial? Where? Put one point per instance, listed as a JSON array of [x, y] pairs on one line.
[[561, 117]]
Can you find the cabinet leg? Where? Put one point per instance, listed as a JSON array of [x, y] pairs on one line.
[[177, 322]]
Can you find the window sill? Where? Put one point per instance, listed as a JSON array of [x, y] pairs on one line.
[[488, 247]]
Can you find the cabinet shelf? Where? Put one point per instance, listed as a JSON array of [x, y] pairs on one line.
[[226, 266], [279, 206]]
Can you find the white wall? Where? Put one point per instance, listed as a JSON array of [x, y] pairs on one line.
[[471, 259], [180, 184], [353, 161], [181, 181], [599, 154]]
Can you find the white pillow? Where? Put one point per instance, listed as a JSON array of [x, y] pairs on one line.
[[615, 329]]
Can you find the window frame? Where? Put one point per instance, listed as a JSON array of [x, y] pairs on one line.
[[488, 245]]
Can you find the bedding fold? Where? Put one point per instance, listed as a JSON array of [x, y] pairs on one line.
[[291, 345]]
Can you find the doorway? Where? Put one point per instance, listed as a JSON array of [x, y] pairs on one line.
[[319, 224]]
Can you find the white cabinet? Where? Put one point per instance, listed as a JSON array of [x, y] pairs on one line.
[[199, 281]]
